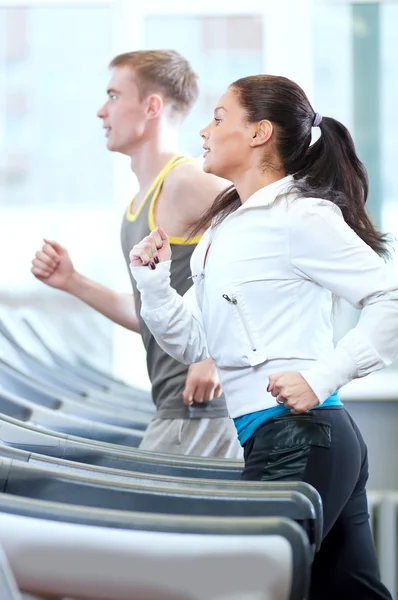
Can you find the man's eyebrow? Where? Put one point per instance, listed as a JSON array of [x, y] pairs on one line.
[[110, 91], [220, 108]]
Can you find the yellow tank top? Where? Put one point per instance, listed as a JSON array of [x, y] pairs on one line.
[[151, 197]]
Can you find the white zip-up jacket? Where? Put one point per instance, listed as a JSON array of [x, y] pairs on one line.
[[262, 300]]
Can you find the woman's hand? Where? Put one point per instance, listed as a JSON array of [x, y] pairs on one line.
[[153, 249], [292, 390]]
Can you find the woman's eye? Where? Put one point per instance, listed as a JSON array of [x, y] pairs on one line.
[[218, 121]]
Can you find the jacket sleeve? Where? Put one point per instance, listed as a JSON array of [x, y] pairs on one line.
[[174, 320], [324, 249]]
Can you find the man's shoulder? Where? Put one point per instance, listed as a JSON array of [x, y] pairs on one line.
[[186, 172], [189, 181]]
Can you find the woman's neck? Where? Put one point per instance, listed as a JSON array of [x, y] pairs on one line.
[[253, 180]]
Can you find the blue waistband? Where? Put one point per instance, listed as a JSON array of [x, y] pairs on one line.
[[246, 425]]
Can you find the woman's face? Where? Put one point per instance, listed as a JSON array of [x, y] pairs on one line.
[[227, 138]]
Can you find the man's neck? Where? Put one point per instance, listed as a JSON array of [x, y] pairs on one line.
[[152, 156]]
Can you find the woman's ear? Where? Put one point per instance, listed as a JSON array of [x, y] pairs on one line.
[[262, 132]]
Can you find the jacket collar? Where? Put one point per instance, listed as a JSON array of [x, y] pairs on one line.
[[268, 194]]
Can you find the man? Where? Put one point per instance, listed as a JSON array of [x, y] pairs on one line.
[[149, 95]]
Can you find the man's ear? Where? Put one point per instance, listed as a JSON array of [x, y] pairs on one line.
[[154, 106], [262, 132]]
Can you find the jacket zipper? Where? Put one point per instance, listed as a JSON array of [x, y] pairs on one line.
[[233, 300], [202, 273]]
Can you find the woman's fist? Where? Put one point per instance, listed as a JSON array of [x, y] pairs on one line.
[[153, 249]]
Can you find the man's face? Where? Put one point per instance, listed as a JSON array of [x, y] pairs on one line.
[[124, 115]]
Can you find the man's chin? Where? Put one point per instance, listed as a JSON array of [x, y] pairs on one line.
[[114, 148]]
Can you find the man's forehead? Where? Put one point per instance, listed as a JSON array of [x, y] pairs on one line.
[[123, 76]]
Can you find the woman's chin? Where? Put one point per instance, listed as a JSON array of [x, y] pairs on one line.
[[208, 167]]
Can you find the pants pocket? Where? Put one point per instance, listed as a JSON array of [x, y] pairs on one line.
[[293, 436], [280, 448]]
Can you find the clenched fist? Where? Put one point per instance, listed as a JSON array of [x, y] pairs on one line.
[[52, 266], [202, 383], [292, 390], [153, 249]]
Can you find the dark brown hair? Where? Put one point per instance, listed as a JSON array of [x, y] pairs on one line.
[[164, 71], [329, 169]]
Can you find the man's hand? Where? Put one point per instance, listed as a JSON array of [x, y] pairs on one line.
[[202, 383], [52, 266], [292, 390]]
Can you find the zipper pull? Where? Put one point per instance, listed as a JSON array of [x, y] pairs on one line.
[[232, 300]]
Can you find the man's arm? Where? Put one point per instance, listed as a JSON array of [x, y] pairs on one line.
[[53, 266], [116, 306], [189, 192]]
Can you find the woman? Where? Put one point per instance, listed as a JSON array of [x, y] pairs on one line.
[[289, 235]]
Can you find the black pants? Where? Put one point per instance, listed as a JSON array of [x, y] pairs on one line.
[[325, 449]]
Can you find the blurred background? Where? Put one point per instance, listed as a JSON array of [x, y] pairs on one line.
[[57, 179]]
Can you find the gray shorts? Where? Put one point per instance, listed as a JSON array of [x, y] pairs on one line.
[[195, 437]]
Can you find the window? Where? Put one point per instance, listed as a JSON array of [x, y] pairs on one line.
[[53, 70], [220, 49]]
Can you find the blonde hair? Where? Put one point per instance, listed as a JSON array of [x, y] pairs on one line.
[[164, 71]]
